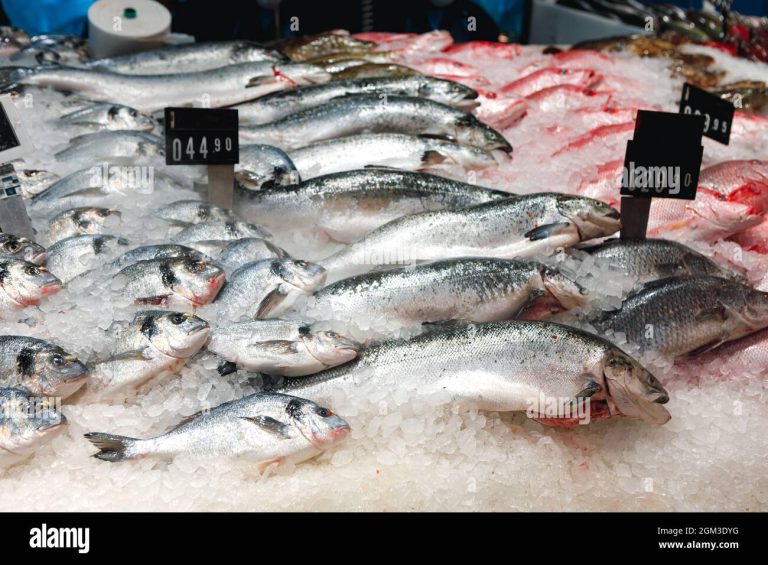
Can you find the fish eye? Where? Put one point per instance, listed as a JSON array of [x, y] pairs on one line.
[[133, 113], [196, 266], [323, 412], [333, 334], [58, 360], [302, 263], [13, 246], [84, 224], [177, 319], [32, 270]]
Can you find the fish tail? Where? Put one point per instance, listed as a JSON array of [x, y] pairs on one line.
[[112, 448]]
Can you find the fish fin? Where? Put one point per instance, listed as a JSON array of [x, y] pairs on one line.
[[112, 448], [263, 465], [269, 302], [226, 368], [706, 347], [545, 231], [270, 425], [278, 251], [535, 294], [433, 158], [717, 314], [438, 136], [440, 325], [153, 300], [261, 80], [135, 355], [277, 347], [590, 388]]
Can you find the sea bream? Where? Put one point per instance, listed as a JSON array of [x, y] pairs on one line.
[[230, 230], [408, 152], [281, 104], [279, 347], [349, 204], [189, 212], [214, 88], [113, 146], [263, 288], [155, 343], [83, 220], [687, 315], [500, 367], [26, 422], [161, 251], [42, 368], [24, 284], [374, 113], [520, 226], [265, 428], [247, 250], [111, 117], [193, 57], [264, 166], [470, 288], [171, 282], [35, 181], [17, 247], [73, 256]]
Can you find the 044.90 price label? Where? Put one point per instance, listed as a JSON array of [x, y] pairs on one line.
[[201, 136]]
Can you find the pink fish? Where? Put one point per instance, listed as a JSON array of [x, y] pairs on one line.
[[567, 97], [498, 111], [485, 49], [612, 134], [547, 77]]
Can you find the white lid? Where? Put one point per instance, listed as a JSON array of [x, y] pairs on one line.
[[113, 17]]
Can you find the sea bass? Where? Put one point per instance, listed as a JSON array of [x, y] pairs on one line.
[[501, 367], [264, 427]]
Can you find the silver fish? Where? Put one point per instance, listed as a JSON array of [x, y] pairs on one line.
[[261, 288], [371, 113], [279, 347], [73, 256], [408, 152], [35, 181], [521, 226], [113, 146], [172, 281], [189, 212], [156, 343], [24, 284], [112, 117], [247, 250], [40, 367], [80, 221], [213, 88], [688, 315], [347, 205], [219, 231], [281, 104], [162, 251], [193, 57], [501, 366], [264, 166], [265, 428], [470, 288], [16, 247], [26, 421], [651, 259]]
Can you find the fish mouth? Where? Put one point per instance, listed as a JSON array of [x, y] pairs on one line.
[[38, 258], [51, 287]]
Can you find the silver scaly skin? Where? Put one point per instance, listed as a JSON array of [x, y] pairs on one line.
[[83, 220], [194, 57], [219, 231], [113, 146], [35, 181], [26, 422], [651, 259], [263, 288], [498, 366], [161, 251], [350, 204], [40, 367], [112, 117], [520, 226], [189, 212], [222, 86], [688, 315], [408, 152], [280, 347], [247, 250], [264, 166], [470, 288], [156, 343], [280, 104], [372, 113], [73, 256], [265, 428]]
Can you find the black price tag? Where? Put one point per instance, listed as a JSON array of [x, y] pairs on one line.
[[717, 113], [8, 139], [201, 136], [664, 158]]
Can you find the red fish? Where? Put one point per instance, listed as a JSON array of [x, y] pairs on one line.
[[545, 78]]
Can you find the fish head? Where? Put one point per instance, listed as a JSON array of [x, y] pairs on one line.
[[50, 371], [319, 425], [330, 348], [448, 92], [747, 308], [267, 175], [696, 264], [175, 334], [27, 420], [593, 218], [632, 389], [194, 279], [565, 291], [472, 131], [37, 180], [301, 275], [299, 74], [26, 283], [22, 248], [125, 118]]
